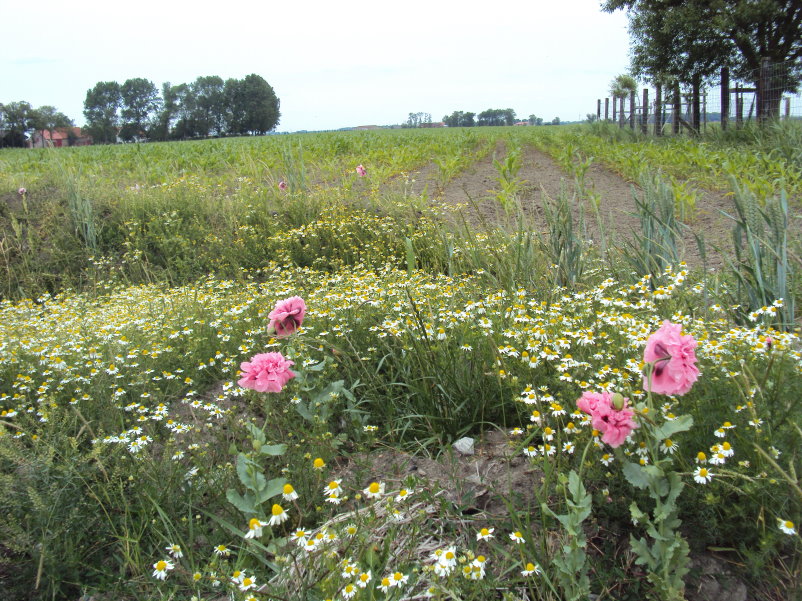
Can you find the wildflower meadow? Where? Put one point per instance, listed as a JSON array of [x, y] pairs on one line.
[[279, 368]]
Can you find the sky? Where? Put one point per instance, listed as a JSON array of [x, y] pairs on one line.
[[332, 64]]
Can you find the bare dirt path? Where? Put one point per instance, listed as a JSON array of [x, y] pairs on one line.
[[472, 194]]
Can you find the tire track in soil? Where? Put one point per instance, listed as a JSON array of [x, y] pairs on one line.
[[472, 195]]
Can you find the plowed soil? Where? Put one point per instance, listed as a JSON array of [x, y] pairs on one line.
[[473, 194]]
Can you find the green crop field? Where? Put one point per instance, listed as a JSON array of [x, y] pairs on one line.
[[171, 427]]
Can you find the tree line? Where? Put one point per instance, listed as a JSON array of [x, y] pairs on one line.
[[135, 110], [490, 117], [206, 107], [688, 42]]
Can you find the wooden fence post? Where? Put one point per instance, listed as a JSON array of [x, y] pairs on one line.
[[598, 109], [607, 109], [621, 111], [787, 108], [695, 112], [725, 98], [632, 107], [677, 110], [615, 107], [644, 116], [658, 110], [739, 107]]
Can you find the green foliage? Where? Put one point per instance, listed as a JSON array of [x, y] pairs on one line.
[[762, 265], [655, 246]]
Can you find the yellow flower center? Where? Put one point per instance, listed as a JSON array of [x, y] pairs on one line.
[[160, 566], [277, 509], [530, 567], [703, 472], [253, 525], [288, 489], [373, 488], [319, 463]]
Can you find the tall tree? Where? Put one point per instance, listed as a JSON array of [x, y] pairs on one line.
[[691, 39], [252, 106], [209, 112], [140, 99], [101, 111], [18, 118], [166, 114]]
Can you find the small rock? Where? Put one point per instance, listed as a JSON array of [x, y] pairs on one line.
[[464, 446]]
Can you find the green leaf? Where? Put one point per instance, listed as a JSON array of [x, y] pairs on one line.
[[641, 549], [255, 432], [636, 475], [244, 504], [272, 489], [303, 411], [682, 424], [273, 449], [249, 474]]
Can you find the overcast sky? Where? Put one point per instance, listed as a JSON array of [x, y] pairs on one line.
[[334, 63]]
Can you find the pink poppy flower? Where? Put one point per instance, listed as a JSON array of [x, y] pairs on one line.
[[266, 372], [282, 185], [287, 316], [614, 425], [361, 171], [22, 191], [673, 359]]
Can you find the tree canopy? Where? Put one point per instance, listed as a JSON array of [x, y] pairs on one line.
[[687, 40], [206, 107]]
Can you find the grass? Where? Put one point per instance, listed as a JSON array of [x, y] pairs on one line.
[[125, 434]]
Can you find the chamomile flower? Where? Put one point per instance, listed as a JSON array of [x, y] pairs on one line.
[[669, 446], [318, 464], [375, 490], [702, 475], [254, 529], [333, 488], [175, 551], [289, 493], [787, 526], [300, 536], [397, 578], [161, 567], [485, 534], [247, 583], [349, 590], [278, 515], [363, 579], [606, 459], [477, 568], [403, 495], [517, 537], [531, 568], [530, 451], [701, 457], [385, 584], [222, 550]]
